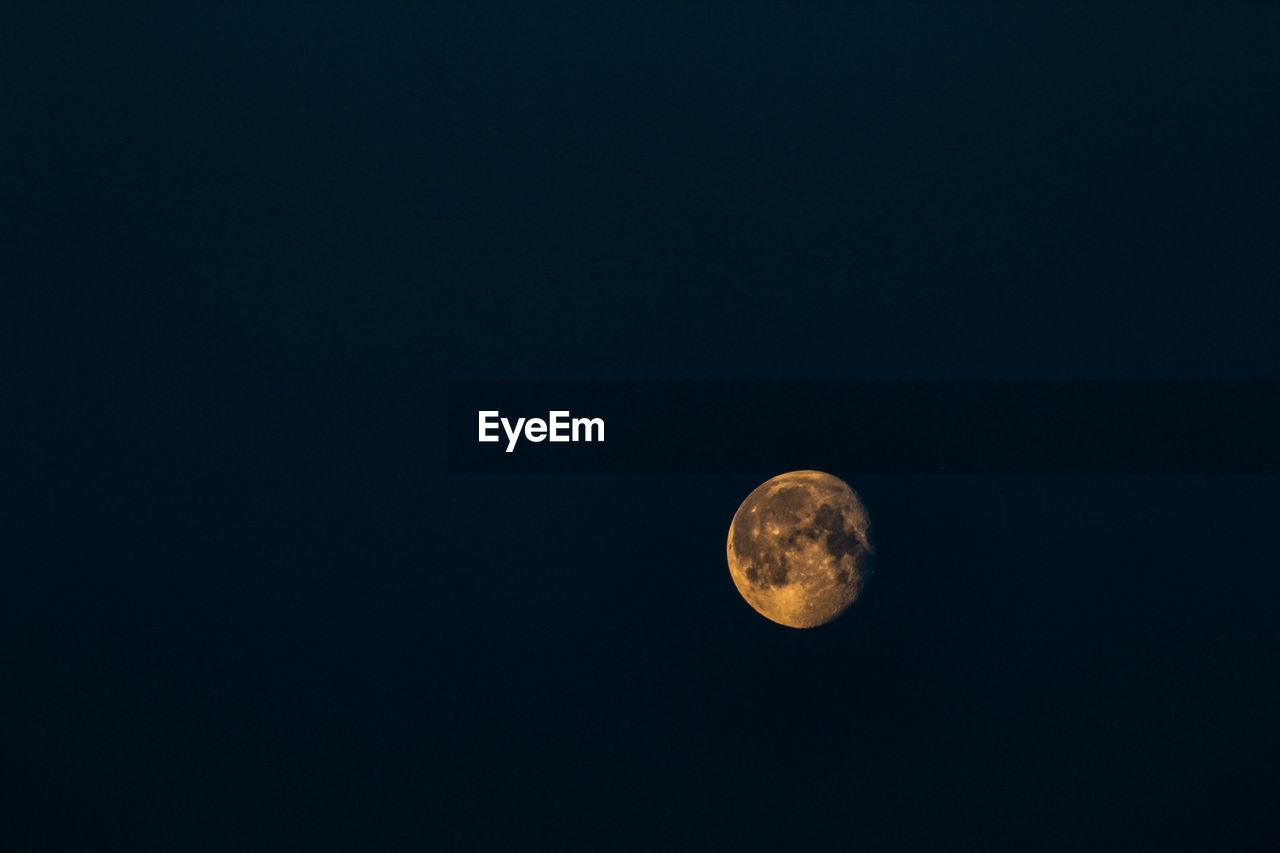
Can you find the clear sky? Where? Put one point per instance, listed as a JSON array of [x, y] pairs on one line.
[[243, 607]]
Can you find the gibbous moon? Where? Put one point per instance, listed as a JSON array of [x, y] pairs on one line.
[[800, 548]]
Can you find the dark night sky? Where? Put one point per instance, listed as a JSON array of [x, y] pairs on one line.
[[242, 606]]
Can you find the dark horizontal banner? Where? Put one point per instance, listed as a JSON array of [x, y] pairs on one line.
[[916, 427]]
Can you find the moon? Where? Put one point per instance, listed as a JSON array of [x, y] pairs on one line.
[[800, 548]]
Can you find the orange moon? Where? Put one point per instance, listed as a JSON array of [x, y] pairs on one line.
[[800, 548]]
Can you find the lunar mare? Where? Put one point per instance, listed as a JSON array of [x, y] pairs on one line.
[[800, 548]]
